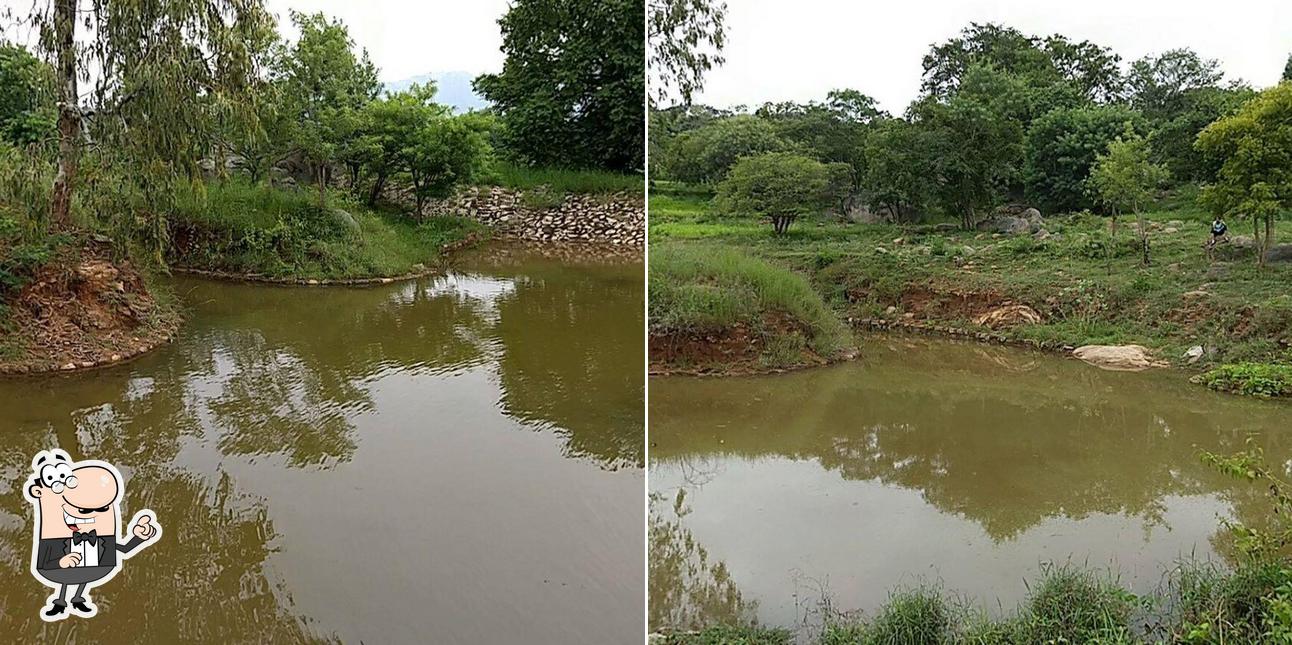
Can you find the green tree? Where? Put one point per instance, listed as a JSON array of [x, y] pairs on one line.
[[1254, 148], [390, 124], [26, 105], [899, 160], [1287, 69], [706, 154], [979, 148], [1158, 84], [446, 151], [1061, 148], [686, 39], [324, 84], [833, 131], [570, 92], [778, 185], [1172, 138], [160, 75], [1124, 178], [841, 181]]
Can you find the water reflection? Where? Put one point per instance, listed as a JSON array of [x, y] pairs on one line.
[[291, 435], [964, 463]]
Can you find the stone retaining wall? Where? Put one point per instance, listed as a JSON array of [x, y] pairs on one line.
[[617, 219]]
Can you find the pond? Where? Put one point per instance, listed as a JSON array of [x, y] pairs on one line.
[[452, 459], [934, 462]]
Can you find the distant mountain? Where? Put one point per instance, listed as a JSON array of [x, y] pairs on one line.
[[451, 88]]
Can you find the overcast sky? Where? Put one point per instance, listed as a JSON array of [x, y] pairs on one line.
[[800, 49], [410, 37], [404, 37]]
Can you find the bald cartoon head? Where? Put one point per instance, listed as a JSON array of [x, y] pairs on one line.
[[73, 497]]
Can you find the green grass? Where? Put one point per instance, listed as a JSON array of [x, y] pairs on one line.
[[1089, 286], [1253, 379], [699, 290], [239, 228], [563, 181], [1197, 603]]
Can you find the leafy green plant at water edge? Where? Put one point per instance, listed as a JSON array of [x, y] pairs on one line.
[[1253, 379]]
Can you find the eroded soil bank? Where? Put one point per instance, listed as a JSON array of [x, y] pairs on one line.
[[83, 309]]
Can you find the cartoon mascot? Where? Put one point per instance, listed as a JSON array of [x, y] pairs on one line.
[[78, 517]]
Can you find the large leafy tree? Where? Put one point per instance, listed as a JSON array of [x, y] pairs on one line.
[[686, 39], [1173, 137], [1124, 178], [324, 84], [705, 154], [572, 88], [1287, 69], [26, 102], [1254, 148], [1159, 85], [1061, 148], [778, 185], [160, 74], [833, 131], [979, 147], [443, 152], [899, 157], [1088, 70]]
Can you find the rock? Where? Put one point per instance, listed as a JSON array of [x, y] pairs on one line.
[[1196, 293], [1193, 354], [1008, 316], [1131, 358], [1005, 225], [1171, 230], [345, 220], [1279, 253], [891, 310]]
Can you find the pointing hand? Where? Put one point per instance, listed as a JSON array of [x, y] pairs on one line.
[[144, 530]]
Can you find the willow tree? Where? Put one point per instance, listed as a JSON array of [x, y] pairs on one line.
[[142, 85]]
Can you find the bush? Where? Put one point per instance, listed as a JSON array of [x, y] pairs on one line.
[[779, 185], [1263, 380]]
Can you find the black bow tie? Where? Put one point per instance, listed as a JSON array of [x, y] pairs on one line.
[[90, 536]]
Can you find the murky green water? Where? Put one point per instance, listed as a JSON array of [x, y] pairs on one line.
[[456, 459], [933, 461]]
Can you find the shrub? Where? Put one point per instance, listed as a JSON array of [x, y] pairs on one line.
[[1263, 380]]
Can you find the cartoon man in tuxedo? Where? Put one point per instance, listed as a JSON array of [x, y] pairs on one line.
[[78, 517]]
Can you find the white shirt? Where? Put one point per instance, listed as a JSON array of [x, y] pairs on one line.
[[89, 553]]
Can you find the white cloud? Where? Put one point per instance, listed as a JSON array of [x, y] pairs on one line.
[[800, 50]]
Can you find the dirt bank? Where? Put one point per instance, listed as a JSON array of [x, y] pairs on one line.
[[81, 310]]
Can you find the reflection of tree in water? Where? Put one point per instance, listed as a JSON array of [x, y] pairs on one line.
[[572, 358], [285, 371], [688, 590], [1004, 447]]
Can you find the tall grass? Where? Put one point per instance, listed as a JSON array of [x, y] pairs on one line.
[[242, 228], [561, 181], [707, 289]]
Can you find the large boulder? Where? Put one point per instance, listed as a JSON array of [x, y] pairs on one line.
[[1005, 225], [1279, 253], [1128, 358], [1008, 316]]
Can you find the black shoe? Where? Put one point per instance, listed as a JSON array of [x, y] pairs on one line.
[[81, 607], [56, 610]]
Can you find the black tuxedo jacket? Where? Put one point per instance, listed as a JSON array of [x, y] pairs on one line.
[[50, 551]]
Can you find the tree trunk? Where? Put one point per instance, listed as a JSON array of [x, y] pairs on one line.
[[1143, 234], [69, 115], [378, 185], [1260, 244], [320, 176]]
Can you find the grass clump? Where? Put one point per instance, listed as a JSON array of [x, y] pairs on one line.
[[1072, 605], [563, 181], [1263, 380], [704, 290], [237, 227]]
